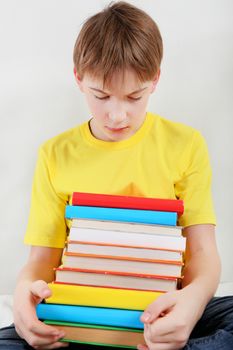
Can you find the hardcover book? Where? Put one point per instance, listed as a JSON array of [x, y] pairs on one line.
[[122, 264], [123, 251], [135, 227], [130, 202], [100, 335], [115, 279], [100, 296], [125, 215], [83, 314], [142, 240]]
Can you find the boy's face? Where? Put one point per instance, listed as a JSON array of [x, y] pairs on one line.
[[118, 110]]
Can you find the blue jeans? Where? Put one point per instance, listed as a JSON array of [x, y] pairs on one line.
[[214, 331]]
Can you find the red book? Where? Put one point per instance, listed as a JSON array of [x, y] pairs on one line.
[[127, 202]]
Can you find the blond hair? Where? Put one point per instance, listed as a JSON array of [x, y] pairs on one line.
[[120, 37]]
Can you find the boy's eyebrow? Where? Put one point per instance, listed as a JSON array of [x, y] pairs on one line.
[[131, 93]]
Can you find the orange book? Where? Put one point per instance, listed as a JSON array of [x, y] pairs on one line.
[[118, 250], [114, 279], [122, 264]]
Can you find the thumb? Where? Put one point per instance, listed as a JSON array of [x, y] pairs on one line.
[[40, 289], [158, 308]]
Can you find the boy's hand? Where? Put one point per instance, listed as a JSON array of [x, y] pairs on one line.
[[169, 320], [36, 333]]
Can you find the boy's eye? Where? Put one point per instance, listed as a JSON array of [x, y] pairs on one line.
[[135, 98], [130, 98], [102, 98]]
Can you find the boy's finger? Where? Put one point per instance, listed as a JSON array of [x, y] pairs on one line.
[[40, 289], [30, 322], [163, 330], [41, 329], [42, 340], [157, 308]]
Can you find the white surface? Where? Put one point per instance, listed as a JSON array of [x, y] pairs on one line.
[[6, 316], [39, 98], [6, 302]]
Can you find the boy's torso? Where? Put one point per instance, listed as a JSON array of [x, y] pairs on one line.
[[148, 165]]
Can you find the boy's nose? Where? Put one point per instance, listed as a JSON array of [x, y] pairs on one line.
[[117, 116]]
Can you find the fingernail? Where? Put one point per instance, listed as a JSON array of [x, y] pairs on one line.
[[146, 316], [45, 292]]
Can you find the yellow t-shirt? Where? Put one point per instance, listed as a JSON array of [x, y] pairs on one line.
[[163, 159]]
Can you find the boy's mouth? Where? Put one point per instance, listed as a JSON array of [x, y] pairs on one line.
[[117, 129]]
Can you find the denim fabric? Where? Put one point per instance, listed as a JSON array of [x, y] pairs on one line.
[[214, 331]]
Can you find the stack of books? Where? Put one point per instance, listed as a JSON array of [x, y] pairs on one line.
[[122, 253]]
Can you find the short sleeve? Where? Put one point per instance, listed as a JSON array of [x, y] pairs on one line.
[[46, 223], [194, 184]]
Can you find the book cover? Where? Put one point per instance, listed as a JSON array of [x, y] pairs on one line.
[[100, 296], [113, 279], [135, 227], [83, 314], [95, 236], [124, 215], [99, 335], [123, 251], [130, 202], [122, 264]]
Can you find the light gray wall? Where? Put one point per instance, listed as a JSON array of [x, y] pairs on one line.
[[39, 98]]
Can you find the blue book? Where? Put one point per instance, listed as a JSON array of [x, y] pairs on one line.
[[93, 315], [118, 214]]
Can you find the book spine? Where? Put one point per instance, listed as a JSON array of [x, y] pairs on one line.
[[130, 202], [124, 215], [83, 314]]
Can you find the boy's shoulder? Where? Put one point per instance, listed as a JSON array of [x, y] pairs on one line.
[[170, 126], [169, 129], [61, 141]]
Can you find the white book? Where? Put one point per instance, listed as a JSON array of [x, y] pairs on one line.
[[122, 251], [115, 280], [128, 227], [93, 262], [127, 238]]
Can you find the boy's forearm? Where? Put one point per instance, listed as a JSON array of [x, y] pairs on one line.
[[202, 275], [33, 271], [202, 263], [40, 265]]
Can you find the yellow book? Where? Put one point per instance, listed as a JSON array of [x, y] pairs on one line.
[[101, 296]]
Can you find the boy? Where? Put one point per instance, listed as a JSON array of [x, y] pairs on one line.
[[123, 149]]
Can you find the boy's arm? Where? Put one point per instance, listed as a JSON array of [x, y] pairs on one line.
[[31, 289], [202, 265], [40, 264], [182, 309]]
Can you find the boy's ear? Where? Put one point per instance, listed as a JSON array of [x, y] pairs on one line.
[[78, 79], [155, 81]]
